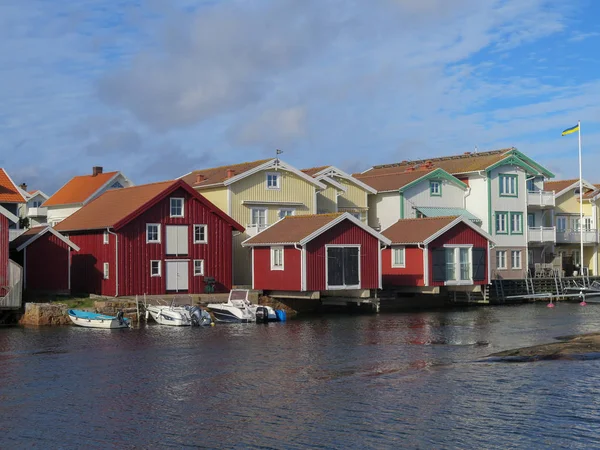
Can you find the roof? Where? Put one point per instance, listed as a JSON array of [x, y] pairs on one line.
[[391, 181], [217, 175], [559, 185], [326, 174], [9, 193], [79, 189], [116, 207], [314, 170], [425, 230], [35, 233], [302, 229], [435, 211]]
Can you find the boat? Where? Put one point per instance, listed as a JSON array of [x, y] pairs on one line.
[[95, 320], [179, 316], [238, 308]]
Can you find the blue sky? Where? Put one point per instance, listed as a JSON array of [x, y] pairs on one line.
[[158, 88]]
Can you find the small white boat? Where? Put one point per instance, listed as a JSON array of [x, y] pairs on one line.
[[179, 316], [94, 320], [239, 309]]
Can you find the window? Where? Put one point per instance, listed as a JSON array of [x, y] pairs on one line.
[[105, 238], [200, 234], [530, 258], [155, 268], [531, 185], [576, 257], [286, 212], [398, 257], [355, 214], [176, 207], [153, 233], [561, 223], [508, 185], [198, 267], [516, 223], [515, 258], [276, 258], [501, 259], [450, 265], [273, 180], [37, 204], [259, 216], [501, 223], [435, 188], [587, 224], [531, 220], [106, 271], [458, 264], [116, 185]]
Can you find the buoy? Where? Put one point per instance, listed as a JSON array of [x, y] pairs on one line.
[[212, 324], [583, 303], [550, 305]]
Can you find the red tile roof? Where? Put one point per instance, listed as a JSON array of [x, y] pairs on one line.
[[559, 185], [314, 170], [217, 175], [79, 189], [8, 191], [292, 229], [416, 231], [391, 181]]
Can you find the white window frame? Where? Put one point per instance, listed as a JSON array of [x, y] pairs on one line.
[[401, 265], [106, 270], [503, 266], [508, 185], [36, 204], [292, 212], [435, 188], [277, 176], [346, 286], [498, 221], [173, 199], [201, 241], [148, 225], [560, 219], [274, 251], [201, 273], [512, 259], [159, 274], [457, 267], [105, 238], [266, 211]]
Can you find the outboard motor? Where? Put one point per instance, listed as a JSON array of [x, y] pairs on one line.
[[262, 314], [195, 315], [120, 317]]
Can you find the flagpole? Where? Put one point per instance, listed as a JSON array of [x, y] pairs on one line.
[[580, 204]]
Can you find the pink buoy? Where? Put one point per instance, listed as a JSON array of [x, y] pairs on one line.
[[583, 303], [550, 305]]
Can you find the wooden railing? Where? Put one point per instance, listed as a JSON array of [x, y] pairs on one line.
[[12, 295]]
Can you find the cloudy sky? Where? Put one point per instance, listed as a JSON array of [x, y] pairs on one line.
[[156, 88]]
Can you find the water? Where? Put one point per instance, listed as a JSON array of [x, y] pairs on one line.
[[405, 380]]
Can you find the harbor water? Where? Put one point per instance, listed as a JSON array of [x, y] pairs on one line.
[[392, 380]]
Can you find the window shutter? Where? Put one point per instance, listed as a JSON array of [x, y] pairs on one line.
[[438, 258], [478, 255]]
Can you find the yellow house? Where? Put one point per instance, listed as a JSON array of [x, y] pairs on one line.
[[343, 192], [569, 228], [256, 194]]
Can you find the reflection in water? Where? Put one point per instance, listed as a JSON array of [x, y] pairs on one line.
[[408, 380]]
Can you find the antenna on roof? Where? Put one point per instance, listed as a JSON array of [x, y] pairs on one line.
[[277, 153]]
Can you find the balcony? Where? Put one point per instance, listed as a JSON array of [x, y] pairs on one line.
[[574, 237], [540, 199], [542, 234], [253, 229], [37, 212]]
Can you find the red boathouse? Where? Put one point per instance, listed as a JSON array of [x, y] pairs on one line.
[[45, 255], [322, 252], [436, 251], [156, 238]]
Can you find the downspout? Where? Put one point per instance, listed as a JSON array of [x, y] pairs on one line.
[[302, 266], [381, 249], [425, 263], [466, 194], [116, 260]]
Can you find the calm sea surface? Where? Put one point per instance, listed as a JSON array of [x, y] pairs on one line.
[[394, 380]]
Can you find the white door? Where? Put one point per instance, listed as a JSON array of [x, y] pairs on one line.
[[177, 239], [177, 275]]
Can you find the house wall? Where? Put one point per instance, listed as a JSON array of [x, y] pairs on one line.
[[343, 233], [355, 199], [419, 195], [4, 251], [385, 210], [242, 261], [87, 265], [476, 200], [289, 279], [217, 196], [327, 200], [410, 275], [47, 265], [58, 213]]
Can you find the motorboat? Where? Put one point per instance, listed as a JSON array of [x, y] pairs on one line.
[[90, 319], [179, 315], [238, 308]]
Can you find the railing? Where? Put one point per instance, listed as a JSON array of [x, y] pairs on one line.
[[13, 294], [253, 229], [37, 212], [540, 198], [542, 234], [13, 234], [574, 237]]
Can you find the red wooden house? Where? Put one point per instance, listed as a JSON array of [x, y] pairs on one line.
[[45, 255], [323, 252], [156, 238], [436, 251]]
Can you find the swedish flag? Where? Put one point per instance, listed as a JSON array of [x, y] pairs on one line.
[[571, 130]]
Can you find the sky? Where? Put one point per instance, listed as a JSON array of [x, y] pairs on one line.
[[157, 88]]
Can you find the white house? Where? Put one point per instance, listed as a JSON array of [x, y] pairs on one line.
[[32, 208]]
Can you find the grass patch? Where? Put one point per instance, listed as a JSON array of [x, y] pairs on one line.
[[76, 303]]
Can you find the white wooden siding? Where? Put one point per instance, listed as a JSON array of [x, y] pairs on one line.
[[387, 209], [418, 195], [510, 204]]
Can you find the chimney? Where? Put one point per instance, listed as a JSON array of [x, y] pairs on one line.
[[199, 178], [23, 186], [96, 170], [230, 173]]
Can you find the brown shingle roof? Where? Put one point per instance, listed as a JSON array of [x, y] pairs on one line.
[[415, 231], [467, 162], [79, 189], [218, 175], [314, 170], [8, 191], [559, 185], [391, 181], [15, 243], [292, 229]]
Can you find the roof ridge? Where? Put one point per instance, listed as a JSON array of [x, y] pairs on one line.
[[233, 165], [445, 158], [429, 218], [366, 175], [94, 176]]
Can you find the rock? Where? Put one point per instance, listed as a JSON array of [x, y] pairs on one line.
[[586, 346], [41, 314]]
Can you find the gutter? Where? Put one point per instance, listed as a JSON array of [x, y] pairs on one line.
[[116, 260]]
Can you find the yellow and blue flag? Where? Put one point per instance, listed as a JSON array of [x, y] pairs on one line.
[[570, 130]]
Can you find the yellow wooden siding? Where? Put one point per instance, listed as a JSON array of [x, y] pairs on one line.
[[253, 188], [569, 203], [217, 196], [354, 197], [327, 200]]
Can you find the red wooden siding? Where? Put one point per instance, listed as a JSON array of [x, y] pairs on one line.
[[289, 279], [410, 275], [87, 267], [47, 264], [343, 233], [459, 234], [4, 251]]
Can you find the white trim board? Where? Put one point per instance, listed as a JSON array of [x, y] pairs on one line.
[[51, 230]]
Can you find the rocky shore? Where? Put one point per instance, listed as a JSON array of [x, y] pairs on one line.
[[585, 346]]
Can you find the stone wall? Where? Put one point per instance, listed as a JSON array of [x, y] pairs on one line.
[[45, 314]]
